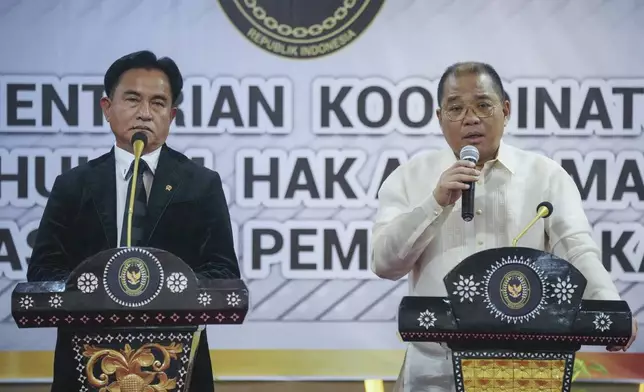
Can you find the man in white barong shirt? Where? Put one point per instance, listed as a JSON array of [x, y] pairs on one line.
[[418, 229]]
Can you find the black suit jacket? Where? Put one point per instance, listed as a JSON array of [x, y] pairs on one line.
[[191, 221]]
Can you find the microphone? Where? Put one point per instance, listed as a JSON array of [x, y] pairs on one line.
[[139, 141], [468, 153], [544, 210]]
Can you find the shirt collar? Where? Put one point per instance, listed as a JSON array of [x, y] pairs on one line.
[[506, 156], [124, 160]]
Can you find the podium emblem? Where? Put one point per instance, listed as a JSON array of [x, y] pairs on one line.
[[133, 277], [515, 290]]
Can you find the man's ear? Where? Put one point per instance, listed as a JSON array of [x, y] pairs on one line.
[[106, 105]]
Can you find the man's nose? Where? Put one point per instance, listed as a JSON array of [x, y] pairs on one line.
[[144, 111], [471, 118]]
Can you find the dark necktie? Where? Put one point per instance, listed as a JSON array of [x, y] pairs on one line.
[[140, 206]]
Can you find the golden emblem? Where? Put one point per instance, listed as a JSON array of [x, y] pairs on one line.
[[515, 290], [134, 276], [127, 368]]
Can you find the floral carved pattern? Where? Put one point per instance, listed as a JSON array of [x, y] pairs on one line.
[[131, 370]]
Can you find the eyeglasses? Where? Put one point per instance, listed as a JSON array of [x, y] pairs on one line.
[[457, 111]]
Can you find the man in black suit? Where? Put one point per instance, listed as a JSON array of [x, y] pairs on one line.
[[186, 212]]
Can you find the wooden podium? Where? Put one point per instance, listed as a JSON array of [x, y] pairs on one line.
[[514, 318], [135, 317]]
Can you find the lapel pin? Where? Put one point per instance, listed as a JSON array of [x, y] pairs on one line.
[[168, 188]]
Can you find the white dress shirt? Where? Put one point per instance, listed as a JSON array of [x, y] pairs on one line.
[[413, 234], [123, 160]]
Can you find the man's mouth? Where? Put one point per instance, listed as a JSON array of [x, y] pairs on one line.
[[473, 136], [142, 129]]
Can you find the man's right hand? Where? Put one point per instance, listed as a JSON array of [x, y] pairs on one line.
[[451, 184]]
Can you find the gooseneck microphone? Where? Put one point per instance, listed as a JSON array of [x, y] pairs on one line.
[[139, 141], [468, 153], [544, 210]]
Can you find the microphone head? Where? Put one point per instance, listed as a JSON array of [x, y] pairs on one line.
[[140, 135], [470, 153], [546, 205]]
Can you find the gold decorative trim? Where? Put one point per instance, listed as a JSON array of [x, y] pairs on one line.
[[16, 365], [132, 370]]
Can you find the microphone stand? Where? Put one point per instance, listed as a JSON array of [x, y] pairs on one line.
[[138, 146]]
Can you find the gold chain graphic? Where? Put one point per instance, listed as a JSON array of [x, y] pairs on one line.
[[300, 32]]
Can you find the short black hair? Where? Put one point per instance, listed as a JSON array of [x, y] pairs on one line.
[[471, 67], [146, 60]]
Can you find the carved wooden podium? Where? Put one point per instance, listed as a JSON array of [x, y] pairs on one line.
[[135, 317], [514, 318]]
